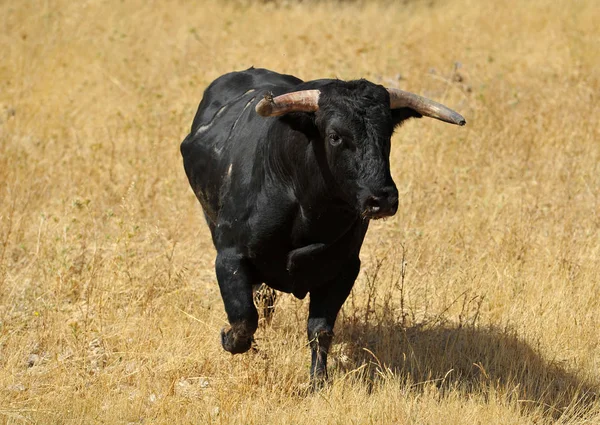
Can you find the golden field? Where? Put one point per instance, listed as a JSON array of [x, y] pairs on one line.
[[477, 303]]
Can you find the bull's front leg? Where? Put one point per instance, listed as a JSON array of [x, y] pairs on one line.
[[236, 278], [325, 303]]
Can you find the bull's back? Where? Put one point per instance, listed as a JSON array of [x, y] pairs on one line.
[[225, 128]]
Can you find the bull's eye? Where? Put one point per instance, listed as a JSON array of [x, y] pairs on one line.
[[334, 139]]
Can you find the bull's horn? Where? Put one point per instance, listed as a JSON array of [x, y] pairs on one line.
[[429, 108], [298, 101]]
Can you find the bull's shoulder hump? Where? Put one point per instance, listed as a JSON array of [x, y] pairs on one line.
[[234, 84], [262, 78], [229, 95]]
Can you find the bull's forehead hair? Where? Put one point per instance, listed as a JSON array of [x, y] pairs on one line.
[[361, 93], [362, 105]]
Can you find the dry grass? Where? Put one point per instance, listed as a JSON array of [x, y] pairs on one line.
[[109, 306]]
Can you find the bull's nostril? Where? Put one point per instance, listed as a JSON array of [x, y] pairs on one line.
[[372, 204]]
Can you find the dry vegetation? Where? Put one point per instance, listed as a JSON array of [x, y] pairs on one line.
[[109, 307]]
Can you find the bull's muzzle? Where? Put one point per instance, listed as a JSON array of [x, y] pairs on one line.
[[380, 204]]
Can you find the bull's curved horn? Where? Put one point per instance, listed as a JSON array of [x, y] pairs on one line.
[[429, 108], [298, 101]]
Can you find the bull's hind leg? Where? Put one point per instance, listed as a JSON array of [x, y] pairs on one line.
[[264, 298], [325, 303], [236, 278]]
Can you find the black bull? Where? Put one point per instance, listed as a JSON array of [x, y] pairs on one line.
[[288, 185]]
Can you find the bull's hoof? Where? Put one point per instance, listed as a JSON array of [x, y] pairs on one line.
[[319, 382], [235, 343]]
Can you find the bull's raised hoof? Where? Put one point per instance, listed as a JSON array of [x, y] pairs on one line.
[[235, 342], [289, 174]]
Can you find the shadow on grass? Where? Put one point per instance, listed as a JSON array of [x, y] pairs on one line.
[[471, 360]]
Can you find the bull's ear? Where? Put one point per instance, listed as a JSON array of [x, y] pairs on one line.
[[402, 114], [302, 123]]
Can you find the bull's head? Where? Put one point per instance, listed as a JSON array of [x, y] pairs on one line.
[[355, 121]]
